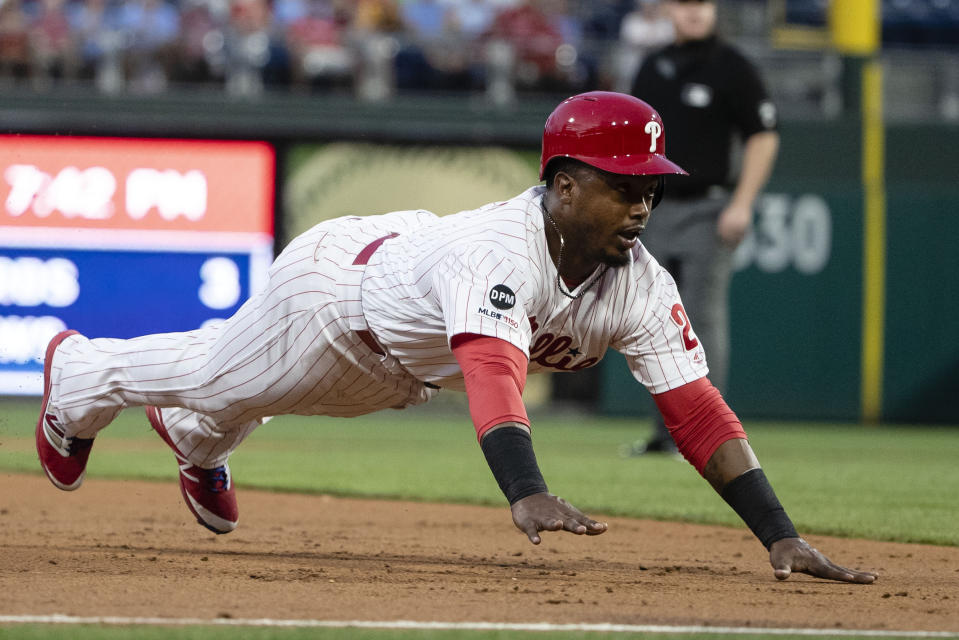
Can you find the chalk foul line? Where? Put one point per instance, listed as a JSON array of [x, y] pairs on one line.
[[468, 626]]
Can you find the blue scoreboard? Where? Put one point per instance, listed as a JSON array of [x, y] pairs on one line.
[[121, 237]]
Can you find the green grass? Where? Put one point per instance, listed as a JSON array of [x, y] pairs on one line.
[[883, 483]]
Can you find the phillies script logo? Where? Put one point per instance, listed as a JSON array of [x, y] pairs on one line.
[[556, 352]]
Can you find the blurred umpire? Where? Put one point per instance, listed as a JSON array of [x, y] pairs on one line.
[[708, 94]]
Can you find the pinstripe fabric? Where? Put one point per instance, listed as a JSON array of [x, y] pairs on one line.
[[423, 288], [292, 349], [287, 350]]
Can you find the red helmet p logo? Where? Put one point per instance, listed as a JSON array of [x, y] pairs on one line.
[[611, 131]]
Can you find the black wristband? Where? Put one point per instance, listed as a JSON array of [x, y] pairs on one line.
[[509, 454], [752, 497]]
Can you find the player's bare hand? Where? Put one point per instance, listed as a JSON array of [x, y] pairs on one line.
[[795, 555], [546, 512]]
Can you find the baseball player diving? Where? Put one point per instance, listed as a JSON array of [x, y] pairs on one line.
[[368, 313]]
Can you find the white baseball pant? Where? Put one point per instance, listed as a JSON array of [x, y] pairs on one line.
[[292, 349]]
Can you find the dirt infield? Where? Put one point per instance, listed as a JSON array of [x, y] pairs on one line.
[[132, 549]]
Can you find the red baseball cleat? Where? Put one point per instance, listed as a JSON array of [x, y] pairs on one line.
[[63, 459], [208, 493]]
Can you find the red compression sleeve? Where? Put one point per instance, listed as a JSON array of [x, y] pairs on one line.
[[699, 420], [495, 373]]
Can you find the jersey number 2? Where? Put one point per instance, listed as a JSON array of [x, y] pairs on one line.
[[680, 319]]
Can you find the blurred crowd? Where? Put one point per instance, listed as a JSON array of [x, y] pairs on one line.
[[373, 47]]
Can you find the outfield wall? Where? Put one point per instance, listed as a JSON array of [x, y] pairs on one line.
[[797, 308]]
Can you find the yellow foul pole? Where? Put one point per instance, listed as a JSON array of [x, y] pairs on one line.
[[855, 26]]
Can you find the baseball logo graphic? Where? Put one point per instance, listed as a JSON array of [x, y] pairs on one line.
[[502, 297], [654, 129]]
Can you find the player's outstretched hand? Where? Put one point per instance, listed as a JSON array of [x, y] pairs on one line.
[[546, 512], [795, 555]]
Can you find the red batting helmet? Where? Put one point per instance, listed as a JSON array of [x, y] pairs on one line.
[[614, 132]]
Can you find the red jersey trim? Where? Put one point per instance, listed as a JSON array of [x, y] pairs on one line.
[[494, 372], [699, 420]]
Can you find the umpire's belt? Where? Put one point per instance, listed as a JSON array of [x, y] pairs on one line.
[[356, 318]]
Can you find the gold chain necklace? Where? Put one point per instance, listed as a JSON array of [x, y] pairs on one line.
[[559, 260]]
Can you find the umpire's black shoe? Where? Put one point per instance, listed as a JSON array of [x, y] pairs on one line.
[[652, 446]]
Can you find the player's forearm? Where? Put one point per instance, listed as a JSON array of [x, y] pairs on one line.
[[494, 373], [732, 459], [734, 472], [700, 422], [517, 425]]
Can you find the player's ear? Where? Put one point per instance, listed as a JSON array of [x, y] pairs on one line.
[[563, 184]]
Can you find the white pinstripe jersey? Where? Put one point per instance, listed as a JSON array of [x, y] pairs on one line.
[[488, 271]]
